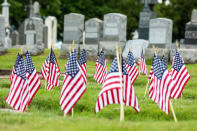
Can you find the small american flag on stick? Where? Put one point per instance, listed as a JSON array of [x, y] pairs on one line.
[[82, 64], [101, 69], [18, 96], [161, 85], [143, 68], [33, 81], [54, 72], [179, 75], [73, 85]]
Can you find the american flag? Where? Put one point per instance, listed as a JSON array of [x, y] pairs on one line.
[[163, 59], [82, 64], [110, 92], [101, 69], [18, 96], [13, 70], [33, 81], [54, 72], [179, 74], [45, 68], [151, 70], [161, 85], [132, 67], [73, 85], [143, 68]]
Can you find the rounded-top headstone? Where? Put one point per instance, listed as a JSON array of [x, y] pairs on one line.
[[115, 27], [194, 16]]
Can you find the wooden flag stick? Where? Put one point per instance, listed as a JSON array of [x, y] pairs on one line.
[[177, 46], [84, 45], [121, 85], [173, 113], [146, 87], [28, 47], [64, 114], [21, 50], [73, 45], [72, 112]]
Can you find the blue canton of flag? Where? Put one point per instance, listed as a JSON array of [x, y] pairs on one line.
[[114, 66], [29, 64], [124, 69], [158, 67], [101, 58], [82, 58], [130, 59], [52, 57], [20, 68], [72, 65], [178, 63], [17, 59], [163, 59]]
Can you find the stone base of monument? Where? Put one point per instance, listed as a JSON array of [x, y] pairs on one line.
[[109, 48], [149, 53], [34, 50], [65, 50], [91, 51], [3, 50]]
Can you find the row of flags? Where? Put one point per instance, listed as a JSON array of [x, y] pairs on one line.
[[163, 84]]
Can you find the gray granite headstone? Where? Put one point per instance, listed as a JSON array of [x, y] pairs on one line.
[[73, 30], [145, 16], [114, 32], [160, 32], [93, 35], [191, 30], [15, 38], [45, 36], [21, 31]]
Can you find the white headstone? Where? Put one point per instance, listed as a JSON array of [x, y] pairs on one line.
[[136, 46], [160, 32], [51, 23], [73, 28]]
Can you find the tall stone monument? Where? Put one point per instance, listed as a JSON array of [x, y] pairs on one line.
[[73, 30], [5, 12], [160, 32], [114, 32], [51, 23], [145, 16], [191, 31], [2, 35], [93, 35]]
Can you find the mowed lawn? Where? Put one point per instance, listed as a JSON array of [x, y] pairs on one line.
[[45, 113]]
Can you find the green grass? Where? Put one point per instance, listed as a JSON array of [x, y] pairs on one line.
[[45, 114]]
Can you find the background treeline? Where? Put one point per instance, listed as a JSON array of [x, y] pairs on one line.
[[178, 10]]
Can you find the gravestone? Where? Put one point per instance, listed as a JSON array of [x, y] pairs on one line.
[[22, 33], [114, 31], [5, 12], [15, 38], [93, 35], [136, 47], [145, 16], [73, 30], [160, 32], [2, 35], [34, 35], [191, 31], [51, 23], [45, 36], [8, 41]]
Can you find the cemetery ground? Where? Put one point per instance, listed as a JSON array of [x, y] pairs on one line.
[[45, 113]]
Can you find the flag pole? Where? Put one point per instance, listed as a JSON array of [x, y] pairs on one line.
[[73, 47], [84, 45], [173, 113], [121, 85]]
